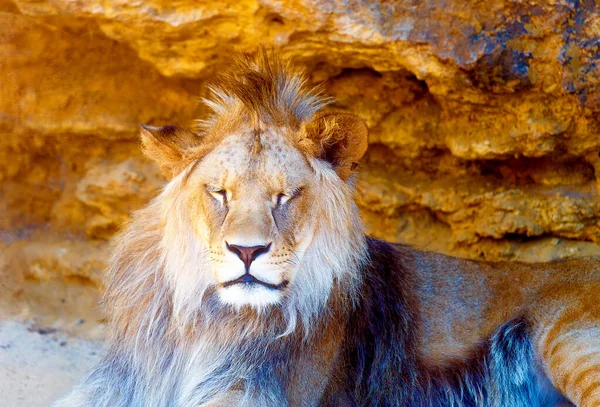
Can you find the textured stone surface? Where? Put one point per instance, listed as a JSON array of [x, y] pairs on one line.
[[484, 121]]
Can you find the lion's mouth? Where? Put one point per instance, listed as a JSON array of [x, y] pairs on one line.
[[249, 279]]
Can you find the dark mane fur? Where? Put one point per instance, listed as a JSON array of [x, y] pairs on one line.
[[380, 364]]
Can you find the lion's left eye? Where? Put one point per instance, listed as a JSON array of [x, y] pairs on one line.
[[283, 198]]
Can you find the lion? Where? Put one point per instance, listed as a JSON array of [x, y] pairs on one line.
[[250, 281]]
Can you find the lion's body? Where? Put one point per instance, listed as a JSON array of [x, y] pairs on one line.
[[473, 333], [249, 282]]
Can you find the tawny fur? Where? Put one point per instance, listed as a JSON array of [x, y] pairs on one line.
[[338, 319]]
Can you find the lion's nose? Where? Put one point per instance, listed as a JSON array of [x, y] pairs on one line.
[[247, 253]]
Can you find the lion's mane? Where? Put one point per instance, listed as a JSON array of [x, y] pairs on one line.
[[166, 321]]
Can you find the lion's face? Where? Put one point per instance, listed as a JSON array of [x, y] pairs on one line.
[[257, 218], [250, 207], [259, 211]]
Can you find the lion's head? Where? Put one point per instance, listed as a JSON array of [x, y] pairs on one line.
[[258, 213]]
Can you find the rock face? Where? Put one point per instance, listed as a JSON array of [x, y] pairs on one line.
[[484, 118]]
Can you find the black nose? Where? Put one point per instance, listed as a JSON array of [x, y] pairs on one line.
[[247, 253]]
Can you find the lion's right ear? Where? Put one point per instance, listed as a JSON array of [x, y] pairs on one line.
[[166, 146]]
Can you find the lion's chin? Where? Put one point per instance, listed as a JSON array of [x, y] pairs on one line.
[[254, 295]]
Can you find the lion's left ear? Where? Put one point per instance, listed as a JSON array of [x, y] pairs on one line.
[[341, 138], [166, 146]]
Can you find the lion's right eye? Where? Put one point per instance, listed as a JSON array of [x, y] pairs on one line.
[[220, 195]]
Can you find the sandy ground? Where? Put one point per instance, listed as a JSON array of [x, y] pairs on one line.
[[38, 366]]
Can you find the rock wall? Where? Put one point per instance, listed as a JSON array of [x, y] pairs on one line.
[[484, 121]]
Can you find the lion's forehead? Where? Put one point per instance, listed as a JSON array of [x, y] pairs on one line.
[[266, 157]]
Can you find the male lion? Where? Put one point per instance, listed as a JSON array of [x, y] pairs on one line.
[[249, 281]]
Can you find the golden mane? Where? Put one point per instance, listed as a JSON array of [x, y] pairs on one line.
[[267, 91], [268, 88]]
